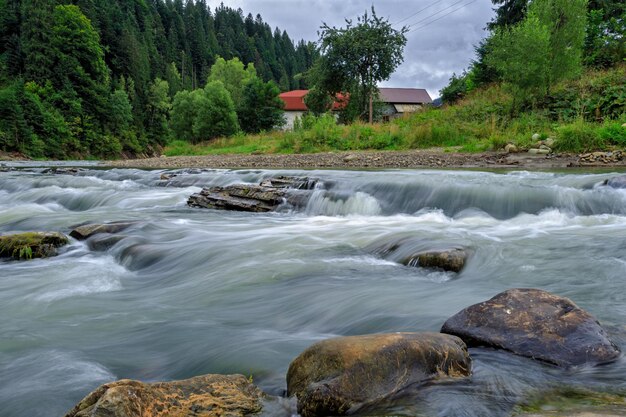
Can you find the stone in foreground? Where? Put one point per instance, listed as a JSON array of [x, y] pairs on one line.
[[88, 230], [202, 396], [338, 376], [535, 324], [31, 245], [448, 260]]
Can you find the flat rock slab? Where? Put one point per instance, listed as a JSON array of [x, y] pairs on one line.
[[202, 396], [29, 245], [270, 195], [338, 376], [535, 324]]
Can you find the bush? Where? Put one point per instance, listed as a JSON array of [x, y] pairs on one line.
[[578, 137], [613, 133]]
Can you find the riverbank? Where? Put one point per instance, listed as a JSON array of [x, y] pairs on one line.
[[378, 160]]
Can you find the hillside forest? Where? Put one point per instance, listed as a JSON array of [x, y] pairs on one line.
[[98, 78]]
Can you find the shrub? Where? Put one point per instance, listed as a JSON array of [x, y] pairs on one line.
[[578, 137]]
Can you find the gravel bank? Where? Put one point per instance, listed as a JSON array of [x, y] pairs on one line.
[[356, 160]]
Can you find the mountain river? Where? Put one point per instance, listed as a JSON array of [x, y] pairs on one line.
[[188, 292]]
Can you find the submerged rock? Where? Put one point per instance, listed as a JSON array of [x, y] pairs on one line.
[[88, 230], [414, 252], [31, 245], [448, 260], [616, 182], [202, 396], [338, 376], [270, 195], [535, 324], [573, 402]]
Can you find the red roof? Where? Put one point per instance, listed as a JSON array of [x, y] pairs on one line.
[[294, 100]]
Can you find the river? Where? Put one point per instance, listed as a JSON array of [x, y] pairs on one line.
[[192, 291]]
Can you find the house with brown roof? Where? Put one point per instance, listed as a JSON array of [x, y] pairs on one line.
[[398, 101]]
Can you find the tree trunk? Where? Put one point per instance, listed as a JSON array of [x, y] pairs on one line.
[[371, 109]]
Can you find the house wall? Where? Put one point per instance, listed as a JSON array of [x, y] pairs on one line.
[[290, 117]]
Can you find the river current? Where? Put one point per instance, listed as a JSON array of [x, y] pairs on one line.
[[187, 291]]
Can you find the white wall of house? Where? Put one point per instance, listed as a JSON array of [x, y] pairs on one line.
[[290, 118]]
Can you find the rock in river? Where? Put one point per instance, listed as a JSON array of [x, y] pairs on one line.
[[31, 245], [202, 396], [338, 376], [535, 324], [271, 194], [448, 260], [86, 231]]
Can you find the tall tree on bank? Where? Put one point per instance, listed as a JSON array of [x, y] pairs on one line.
[[544, 48], [356, 58]]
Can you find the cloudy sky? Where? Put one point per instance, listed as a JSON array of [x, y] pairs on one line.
[[441, 40]]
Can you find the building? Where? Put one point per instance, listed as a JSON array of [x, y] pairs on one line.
[[398, 101], [294, 106]]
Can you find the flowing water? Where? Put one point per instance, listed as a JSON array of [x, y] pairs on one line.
[[191, 291]]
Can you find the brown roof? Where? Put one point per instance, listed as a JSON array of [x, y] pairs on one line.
[[405, 95]]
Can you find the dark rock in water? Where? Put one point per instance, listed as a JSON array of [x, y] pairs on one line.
[[338, 376], [298, 183], [269, 196], [142, 255], [414, 252], [448, 260], [536, 324], [88, 230], [616, 182], [31, 245], [63, 171], [103, 242], [202, 396]]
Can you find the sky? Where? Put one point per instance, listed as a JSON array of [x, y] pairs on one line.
[[435, 49]]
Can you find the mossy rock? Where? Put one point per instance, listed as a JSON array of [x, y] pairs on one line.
[[573, 402], [30, 245], [201, 396]]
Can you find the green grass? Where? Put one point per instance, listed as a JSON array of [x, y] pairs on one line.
[[485, 120]]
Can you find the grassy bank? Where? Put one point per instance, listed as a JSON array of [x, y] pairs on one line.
[[582, 115]]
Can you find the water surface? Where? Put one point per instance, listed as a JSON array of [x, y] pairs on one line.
[[191, 291]]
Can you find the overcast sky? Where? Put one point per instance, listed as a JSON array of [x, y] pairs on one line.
[[435, 48]]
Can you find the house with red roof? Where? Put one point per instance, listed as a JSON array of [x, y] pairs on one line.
[[398, 101]]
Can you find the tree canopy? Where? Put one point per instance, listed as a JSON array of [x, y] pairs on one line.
[[87, 77], [355, 58]]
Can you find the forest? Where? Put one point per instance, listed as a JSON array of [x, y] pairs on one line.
[[98, 78]]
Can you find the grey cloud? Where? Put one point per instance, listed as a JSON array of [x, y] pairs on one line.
[[433, 52]]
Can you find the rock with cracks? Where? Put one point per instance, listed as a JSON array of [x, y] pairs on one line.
[[339, 376], [270, 195], [535, 324], [202, 396], [29, 245]]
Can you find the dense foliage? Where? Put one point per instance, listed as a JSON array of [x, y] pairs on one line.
[[83, 78], [588, 33]]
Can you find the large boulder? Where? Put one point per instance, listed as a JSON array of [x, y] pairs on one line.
[[29, 245], [86, 231], [270, 195], [202, 396], [338, 376], [535, 324]]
